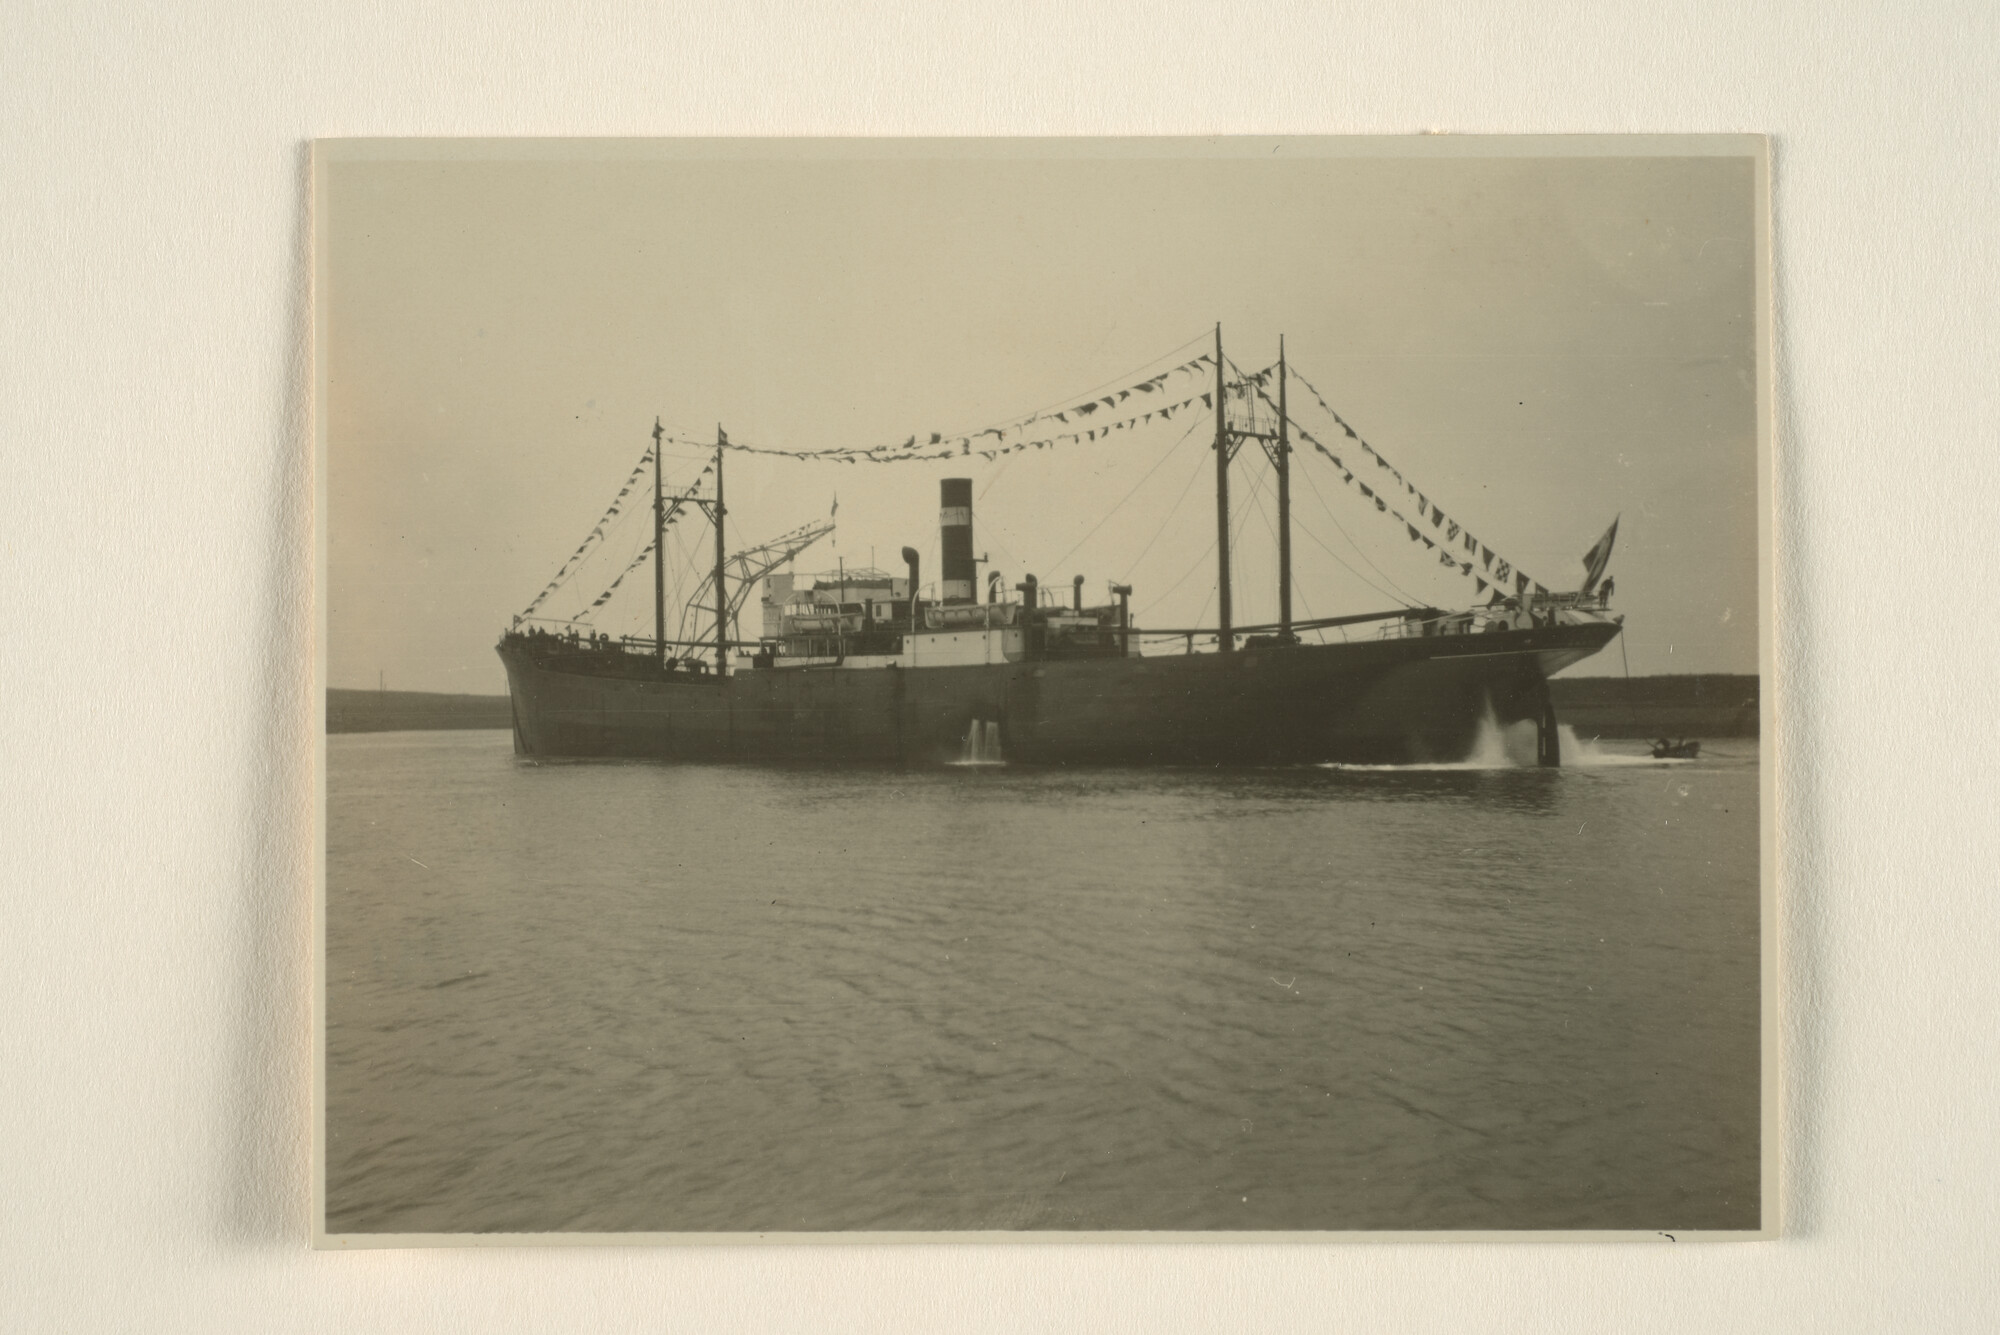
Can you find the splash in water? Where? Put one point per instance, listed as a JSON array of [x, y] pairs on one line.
[[1512, 746], [1590, 754], [981, 745]]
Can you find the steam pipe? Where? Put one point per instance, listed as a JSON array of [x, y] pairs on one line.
[[910, 559]]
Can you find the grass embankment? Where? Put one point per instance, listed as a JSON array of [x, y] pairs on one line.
[[1705, 705]]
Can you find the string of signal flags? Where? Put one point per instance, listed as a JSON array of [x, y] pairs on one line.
[[597, 533], [1078, 423], [1455, 545], [989, 443]]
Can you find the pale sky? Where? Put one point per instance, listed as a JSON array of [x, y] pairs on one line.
[[1538, 343]]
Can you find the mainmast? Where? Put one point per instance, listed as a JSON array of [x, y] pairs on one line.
[[1284, 507], [659, 554], [1225, 642], [721, 556]]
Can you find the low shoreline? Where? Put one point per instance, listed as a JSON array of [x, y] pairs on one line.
[[413, 711], [1699, 705]]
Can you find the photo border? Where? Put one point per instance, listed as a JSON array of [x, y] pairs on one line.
[[327, 152]]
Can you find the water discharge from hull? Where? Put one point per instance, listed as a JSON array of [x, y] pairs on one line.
[[981, 745]]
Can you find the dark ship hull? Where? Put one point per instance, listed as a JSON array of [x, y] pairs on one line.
[[1410, 699]]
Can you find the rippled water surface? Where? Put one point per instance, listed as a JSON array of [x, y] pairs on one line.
[[647, 997]]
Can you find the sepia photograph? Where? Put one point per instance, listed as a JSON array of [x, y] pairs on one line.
[[1044, 689]]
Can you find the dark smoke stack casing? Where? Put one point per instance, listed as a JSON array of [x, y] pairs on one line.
[[960, 571], [1076, 595], [910, 559]]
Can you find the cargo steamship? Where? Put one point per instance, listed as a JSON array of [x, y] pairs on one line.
[[863, 669]]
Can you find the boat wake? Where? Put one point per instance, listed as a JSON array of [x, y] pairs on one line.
[[1495, 747]]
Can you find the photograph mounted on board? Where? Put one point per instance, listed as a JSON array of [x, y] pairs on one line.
[[1044, 688]]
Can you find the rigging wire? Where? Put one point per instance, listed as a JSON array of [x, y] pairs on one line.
[[1168, 591], [1400, 595], [1238, 523], [1256, 379], [1192, 479], [673, 511], [1369, 449], [1235, 527], [1175, 449], [1252, 498]]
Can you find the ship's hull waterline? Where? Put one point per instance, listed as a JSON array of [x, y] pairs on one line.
[[1401, 700]]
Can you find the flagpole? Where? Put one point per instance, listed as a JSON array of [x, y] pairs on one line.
[[721, 589], [1224, 641], [659, 555]]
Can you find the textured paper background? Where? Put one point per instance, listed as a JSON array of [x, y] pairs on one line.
[[154, 612]]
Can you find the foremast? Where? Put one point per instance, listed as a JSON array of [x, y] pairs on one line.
[[721, 560]]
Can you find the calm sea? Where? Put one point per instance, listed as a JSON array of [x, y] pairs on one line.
[[649, 997]]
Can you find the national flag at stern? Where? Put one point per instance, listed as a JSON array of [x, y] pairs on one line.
[[1598, 557]]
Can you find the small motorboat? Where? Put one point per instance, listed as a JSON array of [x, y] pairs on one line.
[[1681, 750]]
